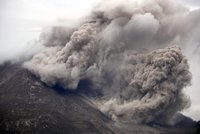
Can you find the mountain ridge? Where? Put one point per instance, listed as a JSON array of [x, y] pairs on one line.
[[29, 106]]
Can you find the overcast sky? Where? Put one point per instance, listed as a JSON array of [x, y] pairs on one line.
[[21, 21]]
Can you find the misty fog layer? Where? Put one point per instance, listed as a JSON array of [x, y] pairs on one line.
[[126, 50]]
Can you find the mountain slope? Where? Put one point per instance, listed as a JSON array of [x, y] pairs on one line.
[[29, 106]]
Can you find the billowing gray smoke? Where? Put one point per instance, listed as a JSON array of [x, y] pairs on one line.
[[116, 49], [153, 88]]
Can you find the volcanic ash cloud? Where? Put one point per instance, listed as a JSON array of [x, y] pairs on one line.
[[136, 84], [153, 92]]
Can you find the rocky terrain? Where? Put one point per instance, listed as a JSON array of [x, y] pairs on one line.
[[29, 106]]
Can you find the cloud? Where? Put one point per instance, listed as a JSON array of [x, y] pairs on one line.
[[22, 22], [122, 50]]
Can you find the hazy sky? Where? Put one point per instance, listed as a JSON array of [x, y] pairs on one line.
[[21, 21]]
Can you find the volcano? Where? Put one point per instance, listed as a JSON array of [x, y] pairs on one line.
[[27, 105]]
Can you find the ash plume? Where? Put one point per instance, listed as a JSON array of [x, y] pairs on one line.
[[138, 85], [153, 90]]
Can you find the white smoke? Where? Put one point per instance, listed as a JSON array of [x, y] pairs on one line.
[[139, 85]]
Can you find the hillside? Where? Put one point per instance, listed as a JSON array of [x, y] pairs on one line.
[[29, 106]]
